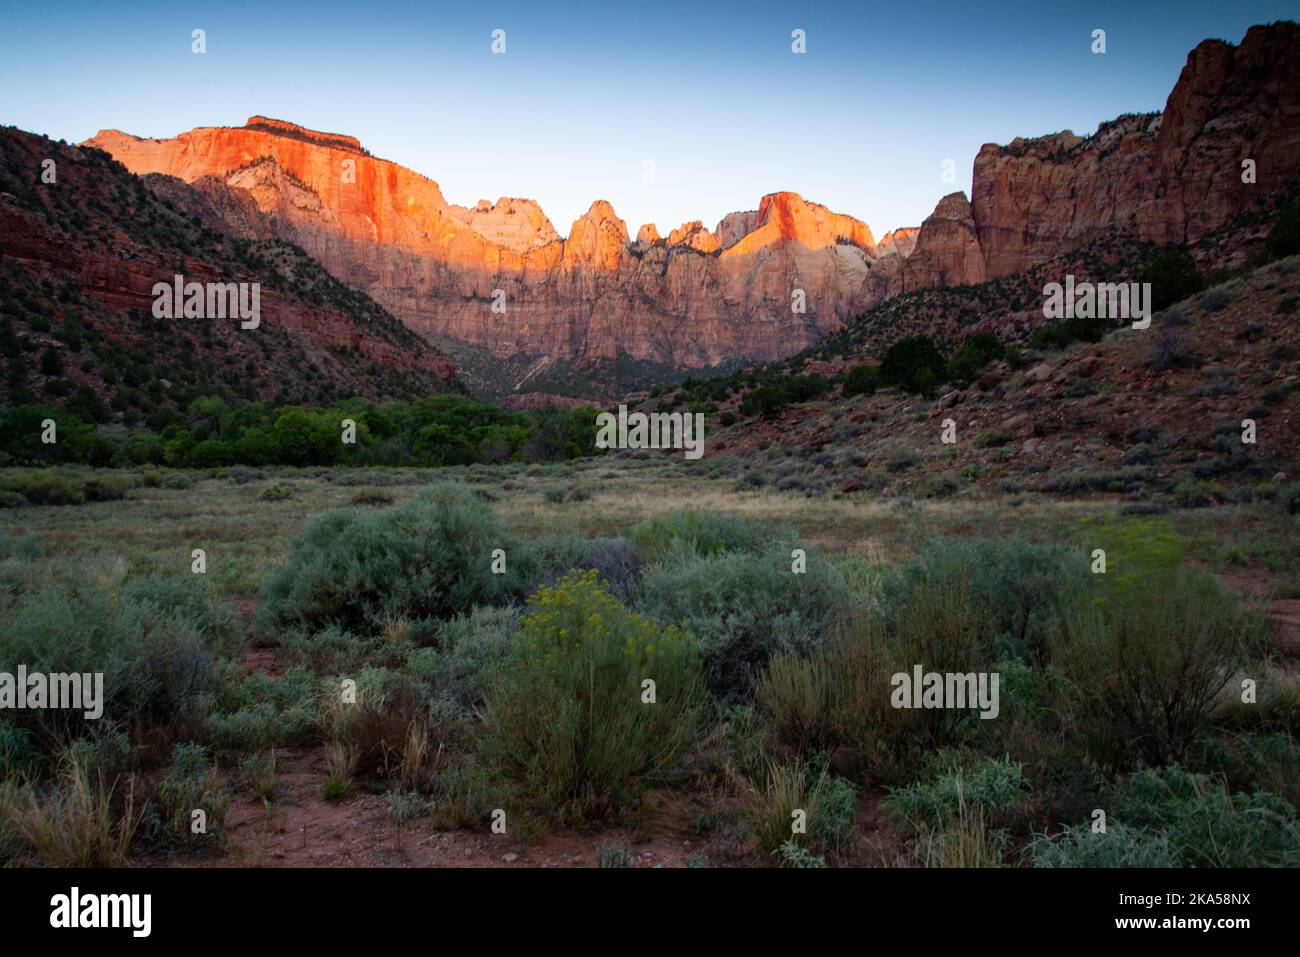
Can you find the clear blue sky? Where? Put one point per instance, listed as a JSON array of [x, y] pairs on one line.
[[711, 92]]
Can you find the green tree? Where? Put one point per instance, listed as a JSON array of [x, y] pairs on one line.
[[1284, 240], [914, 364], [1173, 277], [862, 380]]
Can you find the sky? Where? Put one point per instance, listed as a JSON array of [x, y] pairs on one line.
[[671, 111]]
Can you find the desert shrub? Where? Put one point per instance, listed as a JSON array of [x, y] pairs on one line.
[[256, 774], [240, 475], [963, 839], [1207, 826], [1169, 643], [190, 784], [742, 608], [801, 697], [689, 534], [1190, 820], [618, 562], [153, 639], [186, 596], [1265, 757], [1060, 334], [1118, 846], [792, 855], [103, 752], [837, 807], [612, 857], [862, 380], [939, 486], [340, 764], [902, 460], [1216, 299], [1017, 591], [19, 757], [107, 488], [565, 723], [476, 641], [430, 557], [1173, 277], [258, 712], [914, 364], [396, 731], [1171, 349], [975, 352], [47, 488], [839, 696], [828, 805], [405, 806], [278, 492], [993, 786], [461, 798], [994, 439], [334, 650], [769, 399]]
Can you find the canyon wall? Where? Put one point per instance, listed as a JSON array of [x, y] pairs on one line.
[[390, 232], [1168, 177], [701, 297]]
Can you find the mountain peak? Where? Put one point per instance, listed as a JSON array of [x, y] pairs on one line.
[[694, 236], [516, 224], [788, 216], [598, 237]]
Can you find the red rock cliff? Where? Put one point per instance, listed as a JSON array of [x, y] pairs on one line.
[[1168, 177]]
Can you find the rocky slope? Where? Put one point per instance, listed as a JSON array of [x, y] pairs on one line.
[[1153, 416], [79, 259]]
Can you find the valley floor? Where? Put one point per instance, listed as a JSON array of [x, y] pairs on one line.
[[1251, 548]]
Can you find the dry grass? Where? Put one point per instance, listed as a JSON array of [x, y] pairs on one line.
[[75, 824]]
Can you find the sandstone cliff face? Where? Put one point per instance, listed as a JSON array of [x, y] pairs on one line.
[[436, 266], [1168, 178], [517, 224], [947, 251], [703, 297], [899, 242], [693, 235], [787, 216], [734, 227]]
